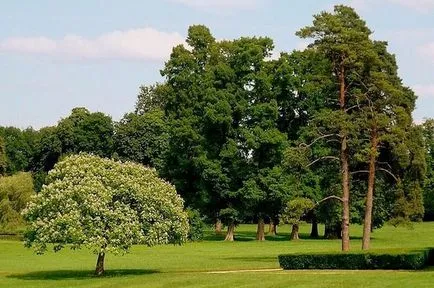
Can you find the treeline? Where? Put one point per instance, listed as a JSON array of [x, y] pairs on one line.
[[324, 135]]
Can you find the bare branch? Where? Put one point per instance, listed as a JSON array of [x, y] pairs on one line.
[[328, 198], [385, 163], [352, 107], [360, 171], [323, 158], [390, 173], [304, 145], [323, 200]]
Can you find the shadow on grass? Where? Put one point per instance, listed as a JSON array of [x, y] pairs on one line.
[[244, 236], [79, 274], [267, 259]]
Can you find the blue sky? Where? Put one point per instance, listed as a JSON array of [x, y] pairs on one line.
[[57, 55]]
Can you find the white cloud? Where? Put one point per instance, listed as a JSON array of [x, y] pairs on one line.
[[419, 5], [142, 43], [424, 90], [220, 4], [423, 6]]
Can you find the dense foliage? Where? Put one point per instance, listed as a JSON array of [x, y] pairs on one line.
[[15, 193], [410, 260]]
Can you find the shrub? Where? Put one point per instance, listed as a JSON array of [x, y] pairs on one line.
[[196, 224], [410, 260], [15, 193]]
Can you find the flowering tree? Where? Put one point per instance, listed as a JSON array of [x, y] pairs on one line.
[[106, 206]]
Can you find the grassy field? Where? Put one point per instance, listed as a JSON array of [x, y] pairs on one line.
[[190, 265]]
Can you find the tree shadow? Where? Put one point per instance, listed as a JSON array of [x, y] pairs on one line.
[[79, 274], [242, 236], [254, 259], [214, 237]]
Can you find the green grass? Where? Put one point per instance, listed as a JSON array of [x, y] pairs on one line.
[[187, 265]]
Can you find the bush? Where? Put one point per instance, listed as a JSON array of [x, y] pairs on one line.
[[196, 225], [410, 260], [15, 193]]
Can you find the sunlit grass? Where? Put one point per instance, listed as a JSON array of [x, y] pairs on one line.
[[187, 265]]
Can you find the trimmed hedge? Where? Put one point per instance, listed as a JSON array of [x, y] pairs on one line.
[[410, 260]]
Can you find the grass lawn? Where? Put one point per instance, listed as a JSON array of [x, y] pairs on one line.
[[189, 265]]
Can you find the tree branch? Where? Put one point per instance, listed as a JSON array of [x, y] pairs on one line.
[[322, 158], [390, 173], [304, 145], [352, 107], [360, 171], [328, 198]]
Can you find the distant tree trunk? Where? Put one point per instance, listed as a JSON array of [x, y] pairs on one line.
[[260, 233], [367, 225], [332, 231], [99, 270], [230, 233], [314, 232], [271, 228], [218, 226], [294, 232], [345, 168]]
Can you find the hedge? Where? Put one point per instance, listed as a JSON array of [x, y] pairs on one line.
[[409, 260]]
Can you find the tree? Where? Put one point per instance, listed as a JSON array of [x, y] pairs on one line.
[[83, 131], [19, 148], [385, 108], [149, 99], [143, 138], [343, 38], [428, 190], [47, 151], [409, 167], [293, 213], [106, 206], [3, 158], [223, 118], [15, 193]]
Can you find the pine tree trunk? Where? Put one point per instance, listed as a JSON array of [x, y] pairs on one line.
[[345, 169], [294, 232], [218, 226], [367, 225], [271, 228], [260, 232], [230, 233], [345, 198], [314, 232], [99, 270]]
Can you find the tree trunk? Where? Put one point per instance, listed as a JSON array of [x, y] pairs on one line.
[[271, 228], [345, 197], [260, 233], [333, 231], [230, 233], [367, 225], [345, 168], [294, 232], [99, 270], [314, 232], [218, 226]]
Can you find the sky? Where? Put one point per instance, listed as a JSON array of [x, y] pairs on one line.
[[57, 55]]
